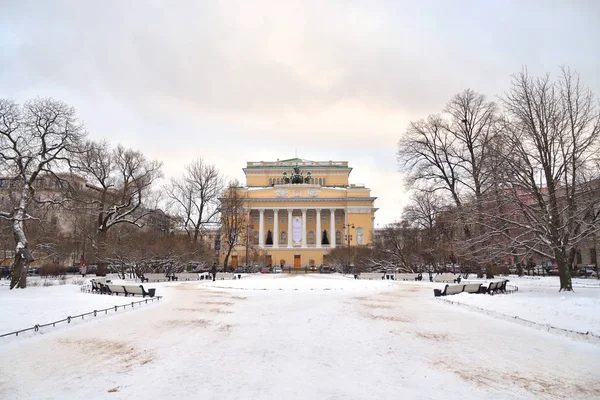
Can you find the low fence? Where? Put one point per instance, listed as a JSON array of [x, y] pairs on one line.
[[68, 319]]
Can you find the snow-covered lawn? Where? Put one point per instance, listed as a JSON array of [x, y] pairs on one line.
[[20, 309], [538, 300], [293, 337]]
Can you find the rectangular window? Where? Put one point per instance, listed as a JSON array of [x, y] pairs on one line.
[[338, 220], [324, 220], [270, 220], [283, 220], [255, 220], [311, 220]]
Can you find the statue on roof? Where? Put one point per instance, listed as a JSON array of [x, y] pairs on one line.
[[296, 176]]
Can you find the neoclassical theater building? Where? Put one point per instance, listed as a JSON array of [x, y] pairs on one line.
[[298, 210]]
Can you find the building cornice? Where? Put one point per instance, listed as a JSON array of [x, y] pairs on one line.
[[307, 199]]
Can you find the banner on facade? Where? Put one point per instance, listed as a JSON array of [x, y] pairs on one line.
[[297, 230]]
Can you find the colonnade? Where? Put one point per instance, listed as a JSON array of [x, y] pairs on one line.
[[290, 237]]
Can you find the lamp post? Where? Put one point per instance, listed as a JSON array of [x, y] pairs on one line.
[[248, 227], [348, 235]]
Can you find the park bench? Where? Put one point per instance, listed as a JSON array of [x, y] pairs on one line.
[[138, 290], [496, 287], [406, 277], [98, 283], [389, 275], [448, 290], [444, 278], [127, 290], [157, 277], [472, 288], [114, 289], [188, 276]]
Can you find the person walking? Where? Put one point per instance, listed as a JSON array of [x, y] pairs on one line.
[[213, 271]]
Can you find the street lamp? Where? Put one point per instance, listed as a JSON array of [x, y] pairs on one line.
[[248, 227], [348, 235]]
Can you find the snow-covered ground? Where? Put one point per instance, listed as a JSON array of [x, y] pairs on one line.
[[297, 337], [538, 300]]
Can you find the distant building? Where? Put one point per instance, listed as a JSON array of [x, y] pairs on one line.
[[298, 210]]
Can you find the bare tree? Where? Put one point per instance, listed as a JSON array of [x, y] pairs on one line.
[[448, 152], [397, 247], [36, 138], [453, 154], [194, 198], [234, 217], [120, 181], [423, 214], [553, 130], [137, 251]]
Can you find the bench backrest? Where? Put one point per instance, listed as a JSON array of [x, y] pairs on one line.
[[472, 287], [134, 289], [116, 288], [454, 289], [493, 286]]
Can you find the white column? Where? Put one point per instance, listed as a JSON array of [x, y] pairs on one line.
[[261, 228], [275, 228], [304, 244], [289, 233], [332, 228], [318, 235]]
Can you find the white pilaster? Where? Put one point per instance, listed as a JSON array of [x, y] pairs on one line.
[[304, 244], [318, 235], [261, 228], [289, 232], [275, 228], [332, 228]]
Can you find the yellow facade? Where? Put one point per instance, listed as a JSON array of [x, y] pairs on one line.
[[270, 202]]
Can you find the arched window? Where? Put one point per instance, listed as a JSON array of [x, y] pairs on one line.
[[360, 236], [270, 181], [311, 237], [283, 237], [320, 182], [255, 237], [312, 181], [338, 237], [324, 184]]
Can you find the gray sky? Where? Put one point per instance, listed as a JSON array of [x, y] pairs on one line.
[[256, 80]]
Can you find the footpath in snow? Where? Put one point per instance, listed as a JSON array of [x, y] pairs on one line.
[[293, 337]]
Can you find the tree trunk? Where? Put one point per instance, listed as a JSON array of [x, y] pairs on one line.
[[22, 255], [226, 260], [101, 253], [563, 271]]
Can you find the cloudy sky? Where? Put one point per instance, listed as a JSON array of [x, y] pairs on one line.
[[238, 81]]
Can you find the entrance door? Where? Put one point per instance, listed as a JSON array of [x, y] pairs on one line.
[[234, 262], [296, 261]]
